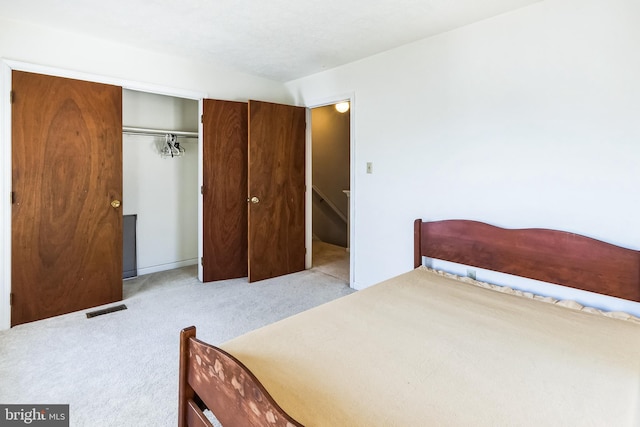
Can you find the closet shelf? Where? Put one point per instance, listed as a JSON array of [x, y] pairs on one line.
[[157, 132]]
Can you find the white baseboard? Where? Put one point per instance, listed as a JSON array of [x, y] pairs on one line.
[[168, 266]]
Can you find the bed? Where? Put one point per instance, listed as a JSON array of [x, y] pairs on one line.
[[430, 348]]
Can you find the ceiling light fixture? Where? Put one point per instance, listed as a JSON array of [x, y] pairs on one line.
[[342, 107]]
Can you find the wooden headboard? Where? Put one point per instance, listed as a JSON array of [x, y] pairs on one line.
[[552, 256]]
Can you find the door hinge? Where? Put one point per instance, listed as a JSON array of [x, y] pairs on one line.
[[12, 197], [11, 96], [202, 261], [201, 118], [11, 298], [202, 189]]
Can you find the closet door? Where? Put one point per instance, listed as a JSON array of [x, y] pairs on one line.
[[276, 185], [224, 190], [67, 181]]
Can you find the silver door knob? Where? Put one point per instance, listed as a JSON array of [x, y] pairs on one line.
[[254, 199]]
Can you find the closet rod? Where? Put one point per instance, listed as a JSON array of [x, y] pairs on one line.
[[154, 132]]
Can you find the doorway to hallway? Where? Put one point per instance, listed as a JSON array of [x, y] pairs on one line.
[[330, 198]]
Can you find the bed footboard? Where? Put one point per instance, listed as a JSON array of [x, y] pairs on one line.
[[212, 378]]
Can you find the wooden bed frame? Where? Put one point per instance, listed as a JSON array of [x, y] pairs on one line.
[[212, 378], [552, 256]]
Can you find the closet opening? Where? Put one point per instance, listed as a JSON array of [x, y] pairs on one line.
[[330, 189], [160, 181]]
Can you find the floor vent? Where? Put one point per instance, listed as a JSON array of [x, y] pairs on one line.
[[106, 310]]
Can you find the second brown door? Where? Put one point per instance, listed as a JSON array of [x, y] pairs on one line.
[[276, 186]]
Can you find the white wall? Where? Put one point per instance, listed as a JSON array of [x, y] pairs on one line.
[[41, 45], [528, 119], [148, 110], [162, 192]]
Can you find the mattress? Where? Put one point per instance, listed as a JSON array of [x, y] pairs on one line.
[[427, 349]]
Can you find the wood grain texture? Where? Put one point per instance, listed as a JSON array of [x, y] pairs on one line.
[[225, 386], [225, 132], [277, 178], [548, 255], [66, 170]]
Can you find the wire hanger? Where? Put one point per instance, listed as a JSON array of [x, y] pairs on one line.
[[172, 147]]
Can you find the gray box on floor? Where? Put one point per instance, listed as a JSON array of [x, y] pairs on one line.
[[129, 261]]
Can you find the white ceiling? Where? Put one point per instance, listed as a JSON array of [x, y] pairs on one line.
[[277, 39]]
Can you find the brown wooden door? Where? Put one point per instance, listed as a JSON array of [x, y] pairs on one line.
[[66, 243], [224, 190], [277, 179]]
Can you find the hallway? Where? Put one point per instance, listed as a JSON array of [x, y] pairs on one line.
[[331, 259]]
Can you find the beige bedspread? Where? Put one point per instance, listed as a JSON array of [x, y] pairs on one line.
[[426, 350]]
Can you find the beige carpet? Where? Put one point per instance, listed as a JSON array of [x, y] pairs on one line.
[[331, 259], [121, 369]]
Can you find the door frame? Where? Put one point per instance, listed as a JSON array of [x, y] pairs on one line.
[[6, 68], [349, 96]]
